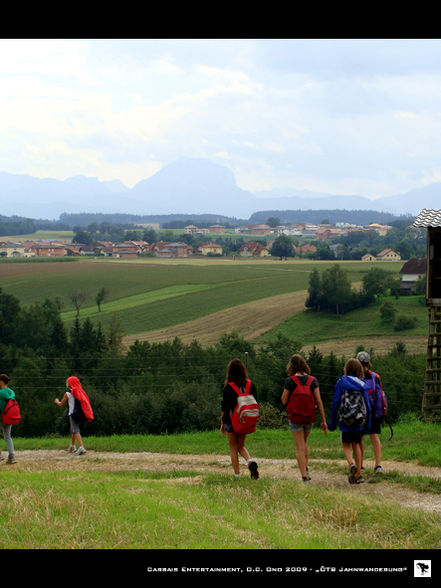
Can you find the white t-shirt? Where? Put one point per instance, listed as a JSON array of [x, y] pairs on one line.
[[71, 402]]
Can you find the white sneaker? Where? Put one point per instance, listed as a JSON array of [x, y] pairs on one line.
[[71, 449], [80, 451]]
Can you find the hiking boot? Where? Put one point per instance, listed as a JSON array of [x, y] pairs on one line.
[[378, 470], [80, 451], [352, 472], [11, 460], [252, 466]]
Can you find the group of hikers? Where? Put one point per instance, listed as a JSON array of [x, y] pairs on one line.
[[358, 407]]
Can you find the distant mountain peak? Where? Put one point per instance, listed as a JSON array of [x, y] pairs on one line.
[[188, 185]]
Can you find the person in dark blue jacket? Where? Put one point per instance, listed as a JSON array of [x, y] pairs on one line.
[[351, 410]]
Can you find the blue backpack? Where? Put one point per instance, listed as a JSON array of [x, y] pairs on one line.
[[378, 399]]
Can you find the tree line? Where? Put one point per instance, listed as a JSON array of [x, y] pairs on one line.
[[332, 291], [160, 387]]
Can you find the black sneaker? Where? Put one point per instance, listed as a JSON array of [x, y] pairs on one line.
[[252, 466], [378, 470]]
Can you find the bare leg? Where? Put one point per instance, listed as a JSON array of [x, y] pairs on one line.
[[241, 447], [301, 451], [77, 437], [376, 446], [347, 450], [232, 441], [357, 456]]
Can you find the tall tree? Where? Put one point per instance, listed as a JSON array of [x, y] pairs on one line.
[[315, 293], [337, 290], [282, 247], [78, 298], [100, 297]]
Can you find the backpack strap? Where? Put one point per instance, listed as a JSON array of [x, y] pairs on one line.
[[309, 382], [297, 381], [237, 390]]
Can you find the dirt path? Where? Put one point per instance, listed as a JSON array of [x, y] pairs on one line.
[[94, 461], [251, 320]]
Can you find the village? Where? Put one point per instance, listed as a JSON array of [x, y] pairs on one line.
[[308, 236]]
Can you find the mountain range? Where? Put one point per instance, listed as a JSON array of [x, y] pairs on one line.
[[187, 186]]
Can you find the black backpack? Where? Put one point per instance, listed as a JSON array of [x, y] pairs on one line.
[[78, 414]]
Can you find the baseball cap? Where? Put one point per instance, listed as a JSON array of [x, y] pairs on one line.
[[364, 357]]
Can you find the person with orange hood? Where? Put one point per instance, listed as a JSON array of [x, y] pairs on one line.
[[79, 411]]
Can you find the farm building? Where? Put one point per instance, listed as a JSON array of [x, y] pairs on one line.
[[252, 249], [306, 248], [216, 229], [46, 250], [12, 250], [193, 230], [170, 249], [211, 248], [388, 255], [411, 272], [256, 230]]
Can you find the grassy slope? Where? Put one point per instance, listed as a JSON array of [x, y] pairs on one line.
[[318, 327]]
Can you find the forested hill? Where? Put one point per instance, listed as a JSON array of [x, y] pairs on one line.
[[16, 225], [358, 217]]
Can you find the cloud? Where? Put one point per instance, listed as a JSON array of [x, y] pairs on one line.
[[348, 116]]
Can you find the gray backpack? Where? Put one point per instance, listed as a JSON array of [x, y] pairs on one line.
[[353, 412]]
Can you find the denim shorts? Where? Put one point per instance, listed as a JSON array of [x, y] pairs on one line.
[[296, 427]]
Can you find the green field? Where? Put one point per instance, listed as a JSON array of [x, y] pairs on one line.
[[313, 328], [162, 293], [40, 235]]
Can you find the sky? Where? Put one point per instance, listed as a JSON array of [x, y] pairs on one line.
[[346, 116]]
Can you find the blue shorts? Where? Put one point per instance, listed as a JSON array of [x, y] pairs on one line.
[[296, 427]]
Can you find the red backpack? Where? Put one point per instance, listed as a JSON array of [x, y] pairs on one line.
[[11, 414], [301, 404], [244, 416]]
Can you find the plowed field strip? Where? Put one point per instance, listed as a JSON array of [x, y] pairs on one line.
[[251, 320]]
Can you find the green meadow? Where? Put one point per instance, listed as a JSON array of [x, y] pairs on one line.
[[40, 235], [161, 293], [313, 328]]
